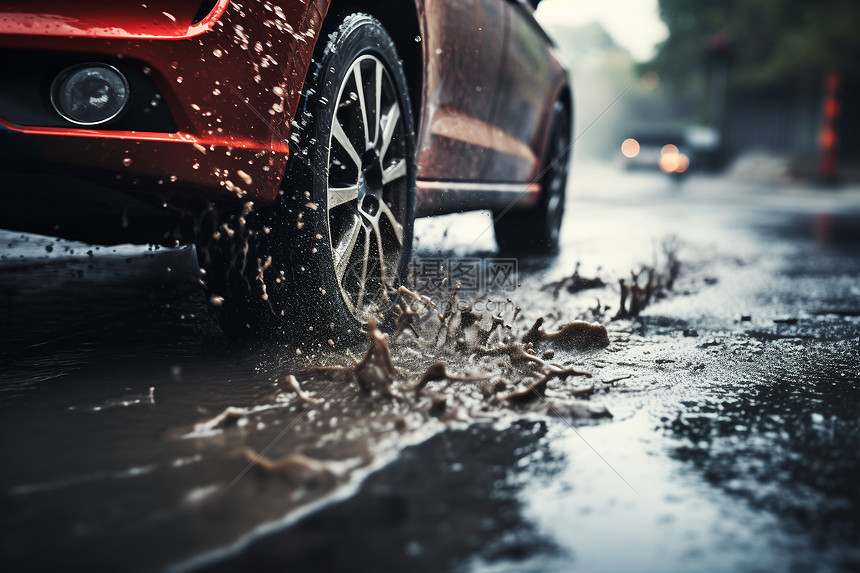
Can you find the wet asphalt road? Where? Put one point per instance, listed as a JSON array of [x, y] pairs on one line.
[[732, 447]]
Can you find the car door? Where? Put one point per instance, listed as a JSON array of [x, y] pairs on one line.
[[463, 45], [524, 97]]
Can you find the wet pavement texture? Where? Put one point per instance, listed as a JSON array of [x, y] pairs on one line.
[[734, 399]]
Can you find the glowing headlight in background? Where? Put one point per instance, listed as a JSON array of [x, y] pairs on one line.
[[630, 148]]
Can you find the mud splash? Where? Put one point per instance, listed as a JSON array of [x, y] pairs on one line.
[[437, 370], [657, 282], [333, 417]]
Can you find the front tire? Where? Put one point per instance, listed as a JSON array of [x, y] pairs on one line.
[[335, 249]]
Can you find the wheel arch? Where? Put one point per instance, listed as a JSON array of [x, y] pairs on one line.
[[401, 20]]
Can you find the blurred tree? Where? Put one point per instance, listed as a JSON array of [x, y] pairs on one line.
[[773, 43]]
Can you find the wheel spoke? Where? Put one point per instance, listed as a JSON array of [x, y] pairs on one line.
[[393, 172], [377, 110], [339, 195], [362, 283], [383, 271], [362, 105], [398, 228], [342, 138], [391, 120], [345, 247]]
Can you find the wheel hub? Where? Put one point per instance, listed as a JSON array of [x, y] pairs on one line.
[[370, 184]]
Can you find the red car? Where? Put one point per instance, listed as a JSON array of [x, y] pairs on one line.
[[293, 141]]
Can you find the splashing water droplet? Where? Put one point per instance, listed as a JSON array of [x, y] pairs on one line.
[[245, 177]]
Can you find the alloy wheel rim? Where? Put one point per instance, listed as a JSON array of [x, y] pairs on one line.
[[367, 186]]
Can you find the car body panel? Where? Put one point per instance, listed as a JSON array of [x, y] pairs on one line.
[[486, 121], [232, 88], [529, 81], [463, 42], [220, 128], [151, 19]]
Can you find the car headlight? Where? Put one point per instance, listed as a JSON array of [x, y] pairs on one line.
[[89, 94]]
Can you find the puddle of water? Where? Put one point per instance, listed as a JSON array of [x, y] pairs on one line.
[[672, 522], [542, 499]]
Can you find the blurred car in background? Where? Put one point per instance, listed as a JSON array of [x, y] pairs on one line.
[[673, 151]]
